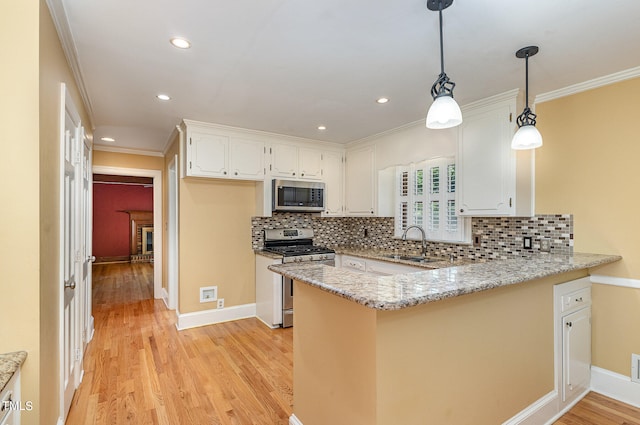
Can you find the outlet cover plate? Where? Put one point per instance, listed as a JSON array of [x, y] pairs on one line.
[[635, 368], [221, 303]]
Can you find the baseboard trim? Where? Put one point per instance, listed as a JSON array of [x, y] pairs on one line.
[[614, 385], [538, 412], [165, 297], [293, 420], [210, 317]]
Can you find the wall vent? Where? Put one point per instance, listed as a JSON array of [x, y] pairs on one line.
[[208, 294]]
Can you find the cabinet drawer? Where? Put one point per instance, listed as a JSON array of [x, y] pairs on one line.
[[577, 299]]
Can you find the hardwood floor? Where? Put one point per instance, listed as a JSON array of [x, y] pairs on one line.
[[140, 370], [596, 409]]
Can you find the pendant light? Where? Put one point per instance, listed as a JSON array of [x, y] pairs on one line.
[[527, 136], [444, 111]]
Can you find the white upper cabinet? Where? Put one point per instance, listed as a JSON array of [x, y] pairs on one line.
[[284, 161], [212, 152], [310, 163], [360, 185], [493, 179], [293, 162], [246, 159], [207, 154], [332, 175]]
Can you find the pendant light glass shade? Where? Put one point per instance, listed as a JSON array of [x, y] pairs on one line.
[[444, 113], [527, 137]]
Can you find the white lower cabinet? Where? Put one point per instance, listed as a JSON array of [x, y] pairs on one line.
[[10, 402], [268, 292], [573, 338]]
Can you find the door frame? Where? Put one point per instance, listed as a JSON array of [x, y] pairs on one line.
[[157, 215], [173, 212]]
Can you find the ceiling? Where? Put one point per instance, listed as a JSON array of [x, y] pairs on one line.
[[287, 66]]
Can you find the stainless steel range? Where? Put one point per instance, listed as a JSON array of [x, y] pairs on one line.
[[295, 246]]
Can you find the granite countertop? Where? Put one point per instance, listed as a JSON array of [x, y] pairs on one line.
[[410, 289], [267, 254], [383, 255], [9, 364]]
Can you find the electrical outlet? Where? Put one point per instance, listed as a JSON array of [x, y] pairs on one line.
[[526, 242], [221, 303], [476, 240], [635, 368]]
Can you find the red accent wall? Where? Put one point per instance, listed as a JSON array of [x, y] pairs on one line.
[[110, 224]]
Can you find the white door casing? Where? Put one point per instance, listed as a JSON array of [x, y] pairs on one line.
[[172, 234], [157, 215]]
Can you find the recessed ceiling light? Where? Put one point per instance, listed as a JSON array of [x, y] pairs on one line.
[[163, 97], [107, 139], [382, 100], [322, 127], [180, 43]]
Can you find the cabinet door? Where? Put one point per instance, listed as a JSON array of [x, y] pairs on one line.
[[360, 182], [310, 164], [284, 161], [207, 155], [246, 159], [332, 176], [576, 355], [486, 163]]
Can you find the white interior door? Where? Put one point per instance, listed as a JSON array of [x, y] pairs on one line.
[[86, 242], [70, 236]]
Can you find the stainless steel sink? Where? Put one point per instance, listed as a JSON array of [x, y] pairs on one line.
[[412, 258]]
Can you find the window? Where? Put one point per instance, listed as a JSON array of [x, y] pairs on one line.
[[426, 197]]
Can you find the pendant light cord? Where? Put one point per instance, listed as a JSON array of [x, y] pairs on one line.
[[441, 43], [526, 77]]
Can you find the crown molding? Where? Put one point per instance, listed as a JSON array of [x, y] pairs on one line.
[[59, 16], [588, 85], [115, 149]]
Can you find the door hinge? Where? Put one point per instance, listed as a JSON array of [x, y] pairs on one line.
[[190, 141], [265, 171], [270, 151], [510, 202], [270, 167], [510, 116], [77, 354], [264, 149], [190, 165], [321, 157]]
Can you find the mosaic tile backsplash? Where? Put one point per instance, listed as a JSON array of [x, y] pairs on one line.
[[498, 237]]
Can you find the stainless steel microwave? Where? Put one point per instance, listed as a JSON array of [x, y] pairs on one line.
[[297, 196]]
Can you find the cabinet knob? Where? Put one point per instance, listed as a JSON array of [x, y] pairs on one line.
[[236, 173], [579, 300], [461, 210], [302, 174], [569, 324], [293, 174], [224, 172], [371, 211]]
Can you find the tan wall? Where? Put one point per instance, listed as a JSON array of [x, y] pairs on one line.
[[587, 167], [19, 191], [334, 380], [481, 357], [125, 160], [29, 233], [215, 242]]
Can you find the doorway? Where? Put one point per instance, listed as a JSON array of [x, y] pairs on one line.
[[156, 176]]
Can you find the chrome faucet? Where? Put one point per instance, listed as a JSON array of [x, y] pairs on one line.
[[424, 238]]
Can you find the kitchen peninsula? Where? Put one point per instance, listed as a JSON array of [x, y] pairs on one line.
[[471, 344]]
